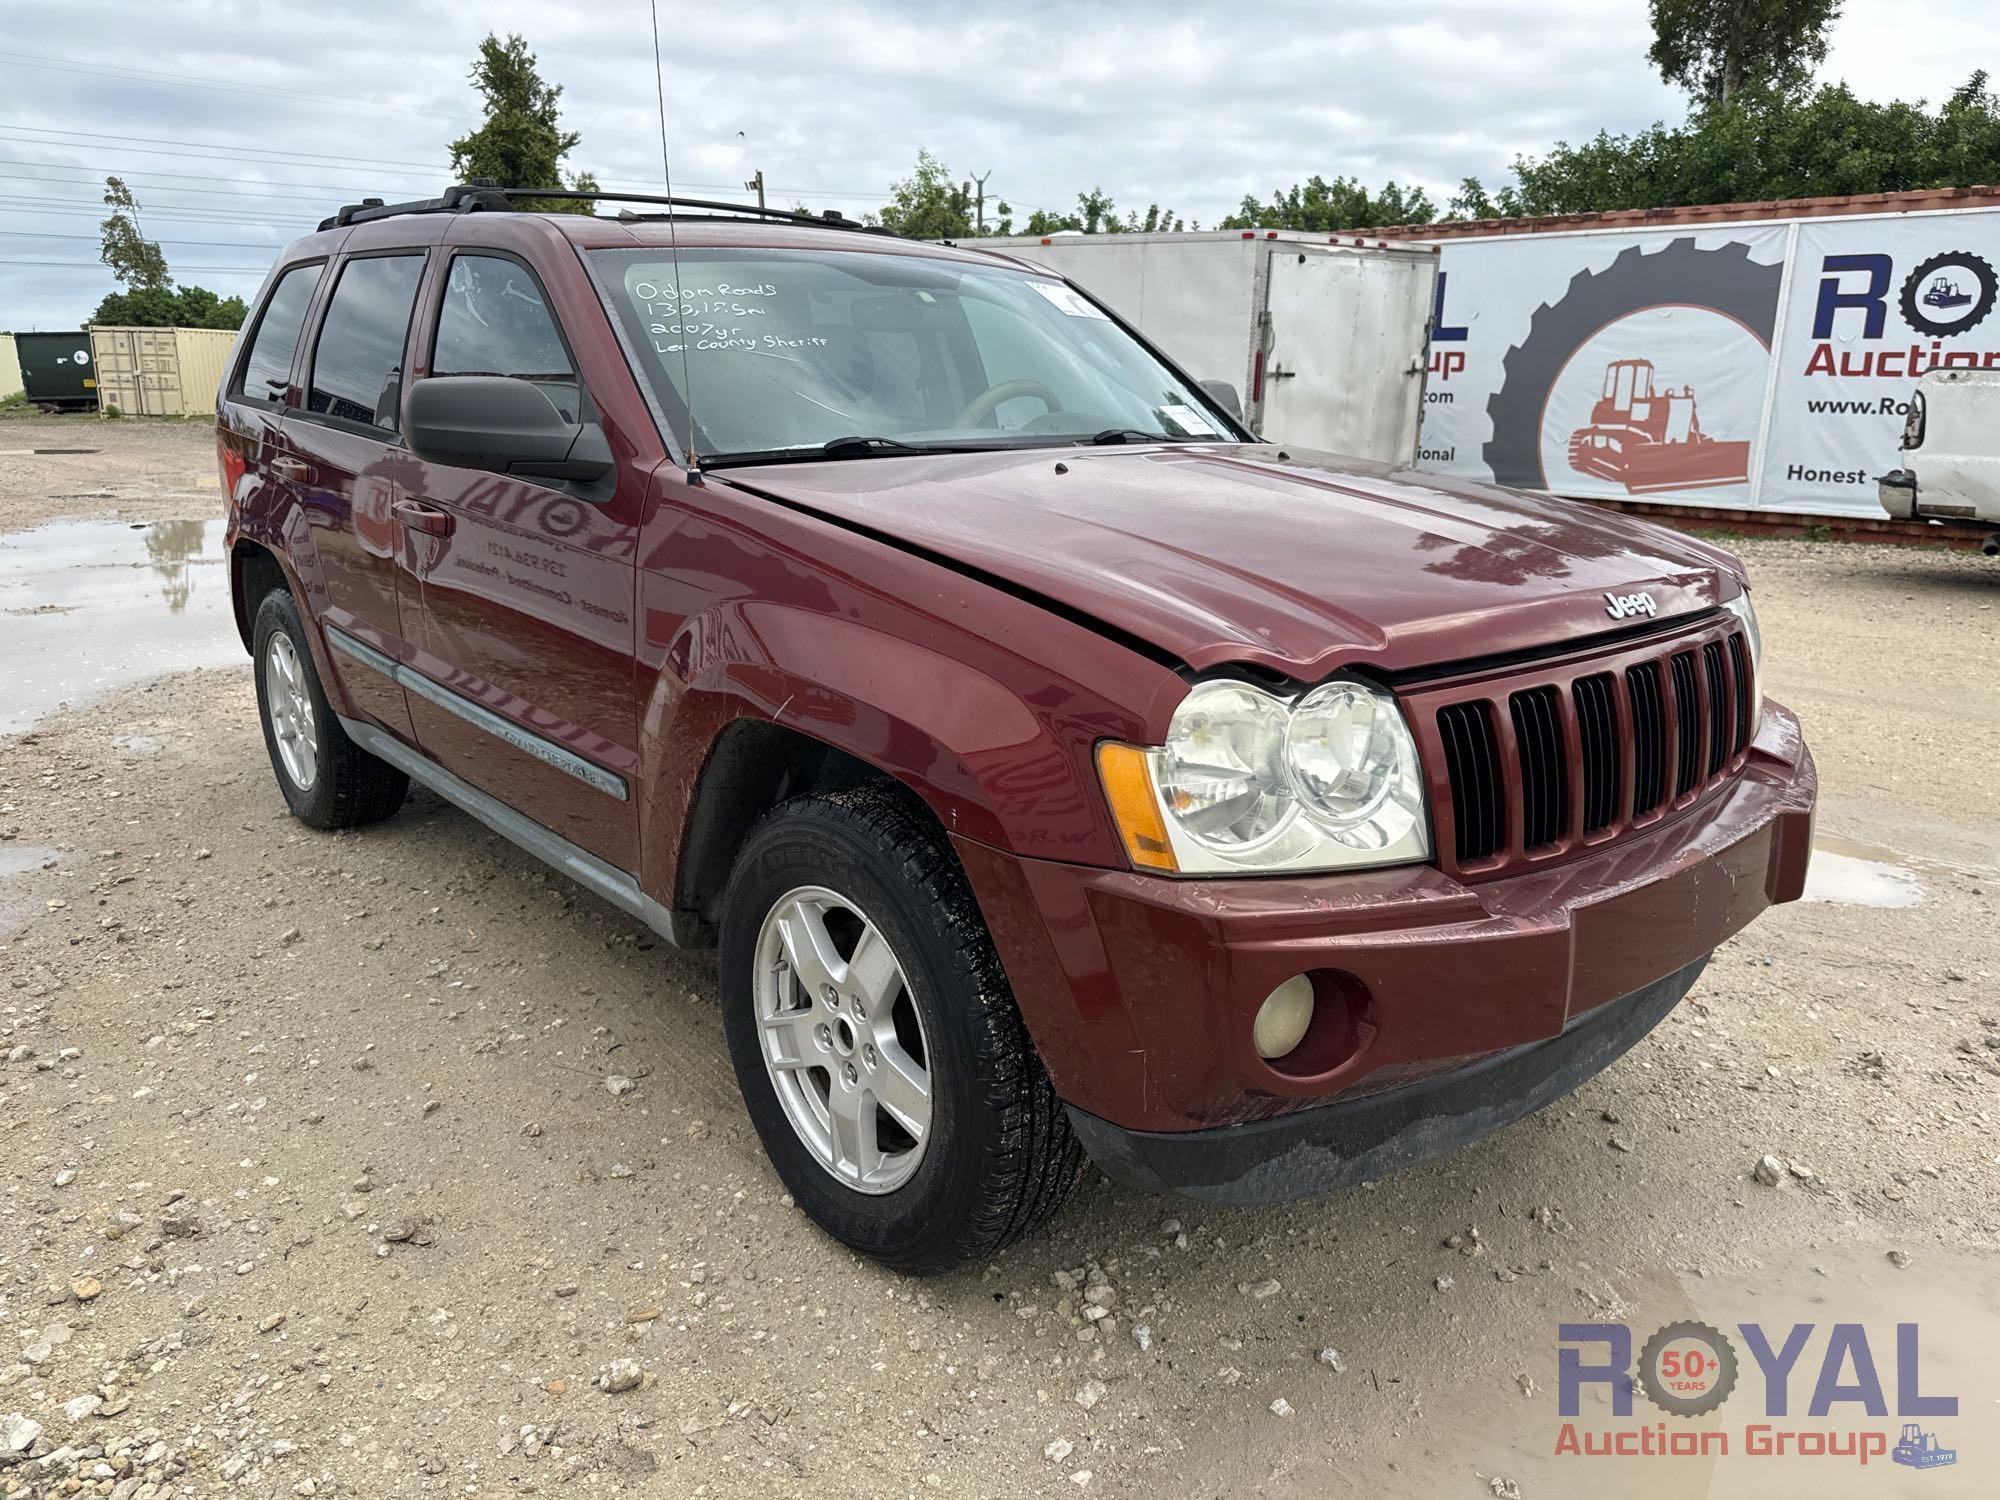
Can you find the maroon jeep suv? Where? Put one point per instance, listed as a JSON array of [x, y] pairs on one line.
[[1060, 769]]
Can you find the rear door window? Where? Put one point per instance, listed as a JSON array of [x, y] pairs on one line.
[[496, 321], [358, 361], [267, 372]]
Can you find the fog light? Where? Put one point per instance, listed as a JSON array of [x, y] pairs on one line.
[[1283, 1017]]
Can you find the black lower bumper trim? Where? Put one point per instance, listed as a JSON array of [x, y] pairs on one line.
[[1337, 1145]]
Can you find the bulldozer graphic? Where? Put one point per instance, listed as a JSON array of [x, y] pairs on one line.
[[1647, 439], [1944, 292], [1920, 1450]]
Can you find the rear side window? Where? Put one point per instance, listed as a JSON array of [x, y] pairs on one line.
[[358, 361], [495, 321], [268, 371]]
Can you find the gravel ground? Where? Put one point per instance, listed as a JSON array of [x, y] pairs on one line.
[[359, 1164], [135, 469]]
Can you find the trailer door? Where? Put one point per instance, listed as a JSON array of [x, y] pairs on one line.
[[1346, 335]]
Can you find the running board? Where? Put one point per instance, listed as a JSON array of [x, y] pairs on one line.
[[619, 887]]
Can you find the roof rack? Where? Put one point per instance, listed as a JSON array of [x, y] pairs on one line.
[[483, 194]]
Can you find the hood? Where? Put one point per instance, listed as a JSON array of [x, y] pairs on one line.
[[1214, 555]]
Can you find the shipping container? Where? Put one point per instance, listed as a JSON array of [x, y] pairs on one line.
[[1323, 341], [10, 368], [57, 371], [204, 354], [138, 371], [160, 372]]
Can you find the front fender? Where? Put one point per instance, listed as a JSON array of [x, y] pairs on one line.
[[990, 767]]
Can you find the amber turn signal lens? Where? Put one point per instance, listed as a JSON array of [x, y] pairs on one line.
[[1135, 806]]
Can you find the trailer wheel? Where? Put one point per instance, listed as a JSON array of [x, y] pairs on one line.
[[1723, 280]]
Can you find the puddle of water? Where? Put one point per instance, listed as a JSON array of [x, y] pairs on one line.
[[1847, 880], [87, 606], [19, 859], [20, 896]]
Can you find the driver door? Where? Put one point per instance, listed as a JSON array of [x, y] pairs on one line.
[[525, 591]]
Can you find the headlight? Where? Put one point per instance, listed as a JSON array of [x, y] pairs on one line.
[[1222, 773], [1741, 607], [1248, 782]]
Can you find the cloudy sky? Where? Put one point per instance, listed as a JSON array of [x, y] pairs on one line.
[[240, 122]]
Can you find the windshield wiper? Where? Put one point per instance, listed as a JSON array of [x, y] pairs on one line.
[[850, 447], [840, 447], [1135, 434]]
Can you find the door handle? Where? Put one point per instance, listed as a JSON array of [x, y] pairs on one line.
[[293, 468], [425, 518]]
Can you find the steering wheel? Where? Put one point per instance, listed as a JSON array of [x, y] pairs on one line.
[[983, 405]]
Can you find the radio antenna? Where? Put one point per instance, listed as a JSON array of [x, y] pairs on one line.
[[674, 247]]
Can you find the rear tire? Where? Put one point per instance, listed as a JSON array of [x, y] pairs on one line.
[[986, 1152], [328, 781]]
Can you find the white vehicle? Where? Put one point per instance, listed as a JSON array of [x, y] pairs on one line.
[[1951, 454], [1321, 343]]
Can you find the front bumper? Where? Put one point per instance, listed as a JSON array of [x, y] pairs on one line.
[[1140, 990], [1318, 1150]]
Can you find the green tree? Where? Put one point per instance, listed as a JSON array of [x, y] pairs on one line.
[[1472, 201], [1323, 207], [1766, 145], [1097, 214], [169, 307], [521, 144], [928, 205], [134, 259], [1716, 49]]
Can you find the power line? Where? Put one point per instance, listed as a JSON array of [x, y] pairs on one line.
[[91, 265], [229, 148], [32, 234], [149, 188], [292, 227], [147, 75], [231, 151], [22, 200]]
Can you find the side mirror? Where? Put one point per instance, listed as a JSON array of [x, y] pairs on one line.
[[499, 423], [1225, 397]]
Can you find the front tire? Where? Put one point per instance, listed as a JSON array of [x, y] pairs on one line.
[[328, 781], [876, 1041]]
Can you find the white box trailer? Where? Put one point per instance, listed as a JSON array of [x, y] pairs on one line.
[[1324, 340]]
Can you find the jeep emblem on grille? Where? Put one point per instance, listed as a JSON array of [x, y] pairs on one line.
[[1624, 606]]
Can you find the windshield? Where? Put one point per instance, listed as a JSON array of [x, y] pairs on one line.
[[788, 351]]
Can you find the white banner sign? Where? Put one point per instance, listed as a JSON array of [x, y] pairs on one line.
[[1873, 304], [1760, 366]]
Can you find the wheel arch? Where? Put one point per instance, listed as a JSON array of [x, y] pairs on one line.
[[254, 571], [758, 701], [753, 765]]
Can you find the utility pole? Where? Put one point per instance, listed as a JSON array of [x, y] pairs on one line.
[[756, 184], [979, 201]]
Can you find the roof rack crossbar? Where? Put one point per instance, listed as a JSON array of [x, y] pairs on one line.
[[829, 219], [484, 194]]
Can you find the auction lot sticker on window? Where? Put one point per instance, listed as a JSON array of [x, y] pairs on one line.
[[1068, 299], [1758, 366]]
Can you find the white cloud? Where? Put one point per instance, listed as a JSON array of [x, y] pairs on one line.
[[1187, 105]]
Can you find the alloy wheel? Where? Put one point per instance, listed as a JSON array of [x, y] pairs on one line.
[[842, 1040], [294, 727]]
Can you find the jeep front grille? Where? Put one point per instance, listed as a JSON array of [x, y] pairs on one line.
[[1535, 765]]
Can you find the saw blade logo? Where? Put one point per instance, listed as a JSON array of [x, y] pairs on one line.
[[1645, 374], [1949, 293]]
